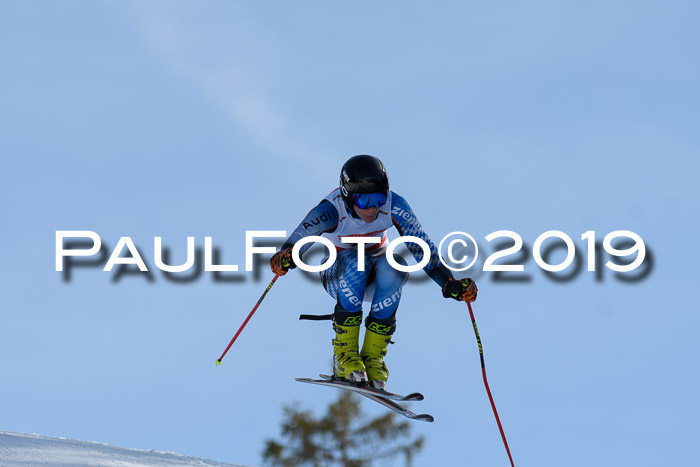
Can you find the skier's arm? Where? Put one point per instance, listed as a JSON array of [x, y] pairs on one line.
[[322, 218], [407, 223]]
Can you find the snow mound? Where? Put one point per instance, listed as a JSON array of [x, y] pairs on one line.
[[20, 450]]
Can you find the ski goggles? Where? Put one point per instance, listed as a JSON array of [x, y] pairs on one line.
[[368, 200]]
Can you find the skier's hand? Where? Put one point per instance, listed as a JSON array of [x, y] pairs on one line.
[[460, 289], [282, 261]]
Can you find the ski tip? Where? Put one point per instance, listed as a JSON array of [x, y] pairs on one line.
[[415, 396], [218, 362], [425, 418]]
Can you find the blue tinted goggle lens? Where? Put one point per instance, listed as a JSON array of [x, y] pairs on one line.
[[368, 200]]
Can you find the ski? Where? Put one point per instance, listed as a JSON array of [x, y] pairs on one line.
[[412, 397], [389, 404], [327, 380], [375, 395]]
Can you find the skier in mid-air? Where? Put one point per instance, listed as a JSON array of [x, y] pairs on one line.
[[363, 206]]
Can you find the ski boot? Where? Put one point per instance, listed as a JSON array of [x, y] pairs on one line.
[[347, 363], [377, 338]]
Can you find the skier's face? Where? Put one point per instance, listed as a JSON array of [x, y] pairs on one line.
[[367, 215]]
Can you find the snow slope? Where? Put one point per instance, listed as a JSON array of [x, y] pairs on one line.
[[32, 450]]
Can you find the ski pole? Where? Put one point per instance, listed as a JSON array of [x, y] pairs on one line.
[[486, 383], [218, 360]]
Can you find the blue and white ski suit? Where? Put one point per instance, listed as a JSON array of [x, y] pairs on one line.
[[379, 283]]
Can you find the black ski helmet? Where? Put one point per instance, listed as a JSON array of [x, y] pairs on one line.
[[362, 174]]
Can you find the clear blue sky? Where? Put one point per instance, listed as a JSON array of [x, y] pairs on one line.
[[171, 119]]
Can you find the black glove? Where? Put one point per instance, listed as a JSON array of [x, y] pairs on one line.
[[460, 289], [282, 261]]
